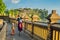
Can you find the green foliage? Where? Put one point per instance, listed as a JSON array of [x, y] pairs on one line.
[[2, 7], [7, 12], [13, 12], [43, 13]]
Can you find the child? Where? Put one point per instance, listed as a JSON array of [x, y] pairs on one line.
[[12, 29]]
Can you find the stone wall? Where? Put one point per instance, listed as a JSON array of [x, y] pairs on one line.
[[3, 32]]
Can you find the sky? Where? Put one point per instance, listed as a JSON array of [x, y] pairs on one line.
[[40, 4]]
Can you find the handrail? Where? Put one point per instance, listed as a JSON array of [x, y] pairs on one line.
[[44, 26], [31, 26]]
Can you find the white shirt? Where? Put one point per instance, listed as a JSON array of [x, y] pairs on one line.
[[21, 20]]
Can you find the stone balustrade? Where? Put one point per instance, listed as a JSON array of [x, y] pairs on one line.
[[3, 32]]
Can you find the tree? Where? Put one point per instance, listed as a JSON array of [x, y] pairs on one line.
[[2, 7], [43, 13], [7, 12], [16, 11]]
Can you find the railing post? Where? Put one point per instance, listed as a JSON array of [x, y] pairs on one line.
[[32, 29], [32, 25], [50, 32], [24, 26]]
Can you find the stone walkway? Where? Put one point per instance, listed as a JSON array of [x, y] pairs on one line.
[[23, 36]]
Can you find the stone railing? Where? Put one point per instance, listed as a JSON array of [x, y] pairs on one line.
[[3, 32]]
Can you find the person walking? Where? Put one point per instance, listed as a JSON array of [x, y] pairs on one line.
[[19, 19]]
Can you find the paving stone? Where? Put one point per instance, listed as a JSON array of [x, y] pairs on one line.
[[22, 36]]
